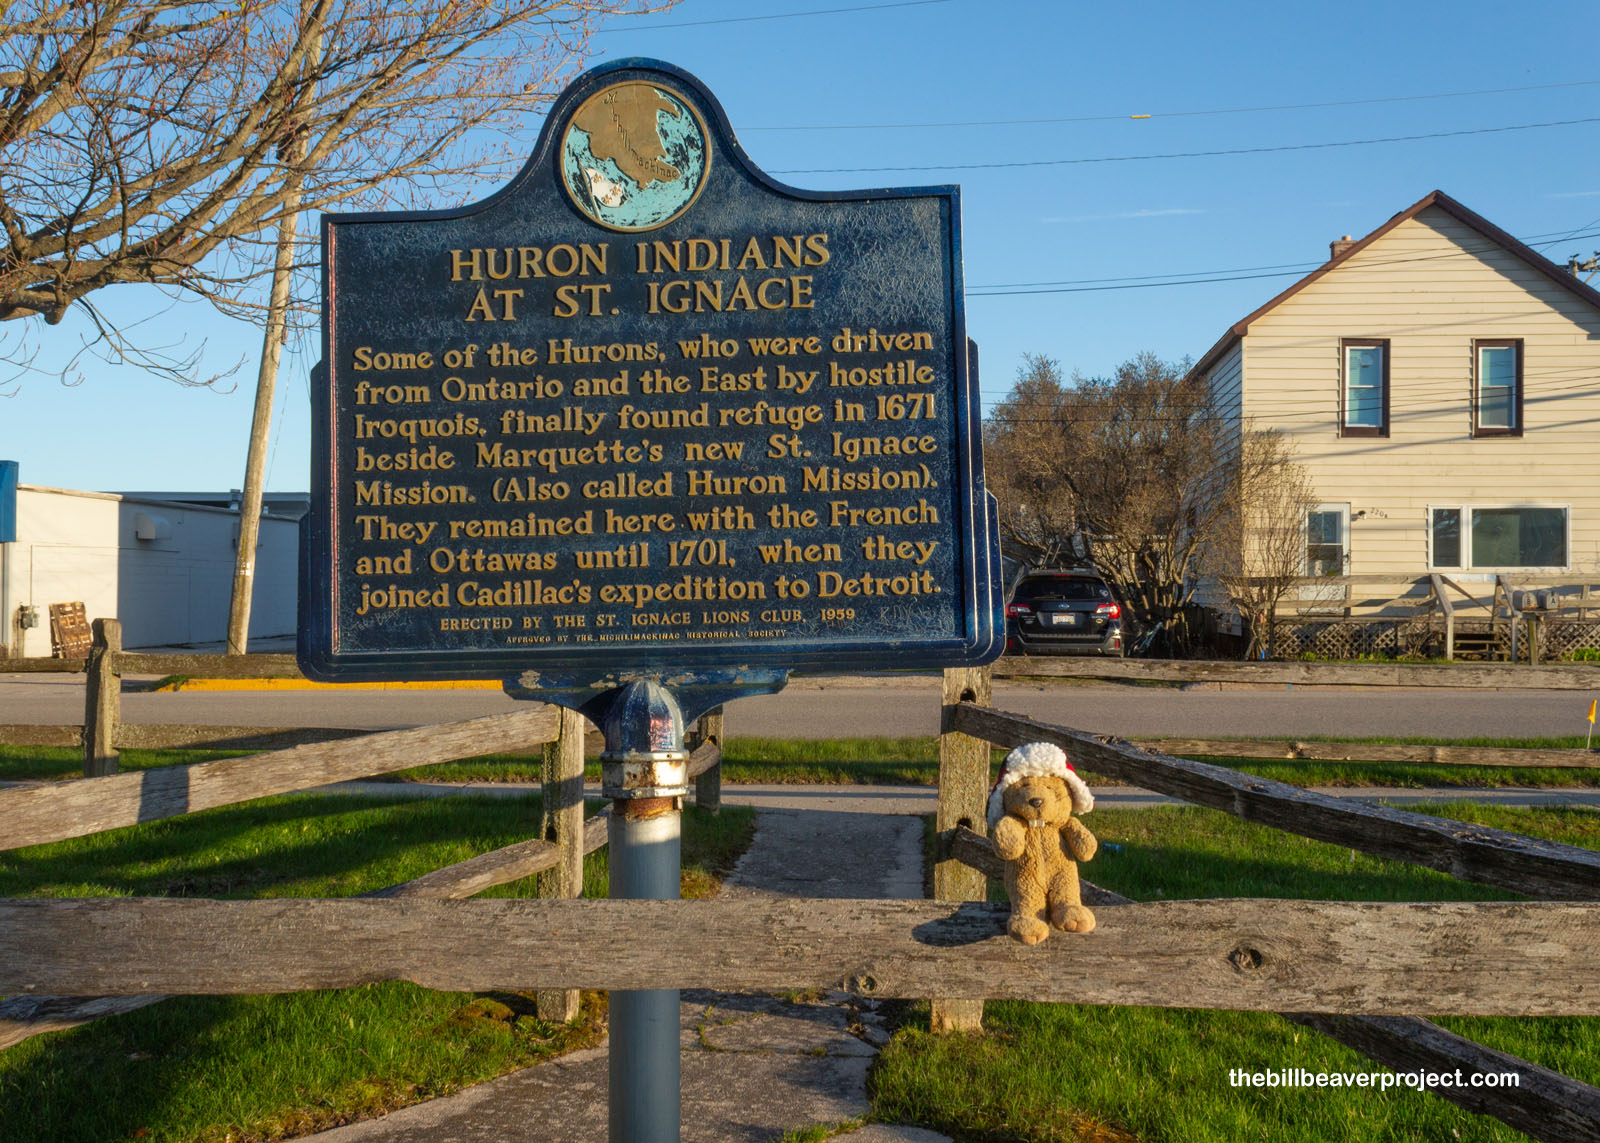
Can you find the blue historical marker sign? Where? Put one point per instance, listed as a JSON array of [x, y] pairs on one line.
[[647, 406]]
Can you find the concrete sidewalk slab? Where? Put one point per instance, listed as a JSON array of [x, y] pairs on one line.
[[752, 1068]]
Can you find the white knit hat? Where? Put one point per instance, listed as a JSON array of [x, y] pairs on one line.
[[1038, 758]]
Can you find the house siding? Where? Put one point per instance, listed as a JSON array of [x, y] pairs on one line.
[[1225, 384], [1430, 287]]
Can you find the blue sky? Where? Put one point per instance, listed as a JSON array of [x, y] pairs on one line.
[[1069, 256]]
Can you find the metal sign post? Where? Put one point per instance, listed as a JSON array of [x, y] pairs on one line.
[[645, 773]]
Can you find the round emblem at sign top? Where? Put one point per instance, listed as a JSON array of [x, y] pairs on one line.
[[634, 156]]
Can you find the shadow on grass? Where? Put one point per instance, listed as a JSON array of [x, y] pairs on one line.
[[55, 1086], [331, 845], [266, 1067]]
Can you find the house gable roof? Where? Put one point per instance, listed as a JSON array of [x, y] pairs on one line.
[[1450, 206]]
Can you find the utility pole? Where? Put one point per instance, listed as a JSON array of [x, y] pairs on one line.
[[292, 151]]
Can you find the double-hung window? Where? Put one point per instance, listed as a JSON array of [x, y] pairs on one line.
[[1364, 387], [1470, 536], [1497, 388]]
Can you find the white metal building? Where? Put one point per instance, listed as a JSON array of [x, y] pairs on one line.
[[163, 567]]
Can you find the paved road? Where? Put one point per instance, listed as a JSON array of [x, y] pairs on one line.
[[811, 708]]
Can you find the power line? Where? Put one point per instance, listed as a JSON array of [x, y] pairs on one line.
[[1570, 235], [1554, 236], [1202, 277], [1174, 114], [1013, 293], [1146, 277], [1184, 154], [774, 16]]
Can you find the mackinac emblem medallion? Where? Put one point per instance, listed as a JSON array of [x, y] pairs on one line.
[[634, 156]]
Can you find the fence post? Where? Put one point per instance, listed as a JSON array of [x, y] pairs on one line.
[[708, 786], [963, 792], [102, 700], [562, 823]]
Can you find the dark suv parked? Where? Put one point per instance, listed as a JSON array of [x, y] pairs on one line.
[[1063, 613]]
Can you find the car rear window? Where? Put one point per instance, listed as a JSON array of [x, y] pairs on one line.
[[1070, 590]]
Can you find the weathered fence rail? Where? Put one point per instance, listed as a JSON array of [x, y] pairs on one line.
[[1332, 956], [40, 813], [38, 666], [32, 815], [103, 733], [175, 735], [1543, 1104], [26, 1016]]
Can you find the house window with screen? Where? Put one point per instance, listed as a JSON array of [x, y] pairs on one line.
[[1325, 542], [1495, 538], [1497, 388], [1364, 389]]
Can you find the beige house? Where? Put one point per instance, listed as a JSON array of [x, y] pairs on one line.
[[1441, 382]]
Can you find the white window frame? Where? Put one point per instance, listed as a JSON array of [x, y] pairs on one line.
[[1466, 508], [1317, 598]]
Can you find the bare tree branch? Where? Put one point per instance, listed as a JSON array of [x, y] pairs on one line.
[[147, 141], [1143, 463], [1261, 548]]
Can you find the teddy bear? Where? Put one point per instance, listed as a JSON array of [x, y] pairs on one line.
[[1034, 832]]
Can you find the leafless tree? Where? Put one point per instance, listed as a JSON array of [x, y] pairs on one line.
[[161, 141], [1025, 440], [1139, 462], [1260, 550], [1151, 454]]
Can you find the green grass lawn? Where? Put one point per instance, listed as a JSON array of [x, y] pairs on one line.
[[1408, 775], [1052, 1073], [246, 1068]]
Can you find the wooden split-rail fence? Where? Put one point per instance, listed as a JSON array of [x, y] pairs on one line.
[[1360, 972]]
